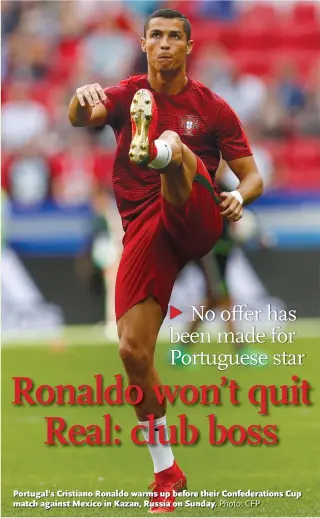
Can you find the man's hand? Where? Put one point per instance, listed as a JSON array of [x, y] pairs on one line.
[[91, 94], [231, 207], [86, 107]]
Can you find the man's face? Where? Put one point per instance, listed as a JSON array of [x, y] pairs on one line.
[[166, 44]]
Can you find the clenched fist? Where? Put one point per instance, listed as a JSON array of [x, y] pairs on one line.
[[231, 206], [90, 94]]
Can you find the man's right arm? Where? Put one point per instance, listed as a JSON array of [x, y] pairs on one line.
[[87, 106]]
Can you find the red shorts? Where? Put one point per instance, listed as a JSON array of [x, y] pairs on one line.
[[162, 239]]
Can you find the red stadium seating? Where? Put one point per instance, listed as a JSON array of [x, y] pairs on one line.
[[305, 13], [301, 157], [307, 37], [273, 35], [297, 162], [260, 14], [251, 62]]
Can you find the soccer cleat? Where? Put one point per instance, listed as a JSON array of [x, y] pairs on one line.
[[167, 482], [144, 118]]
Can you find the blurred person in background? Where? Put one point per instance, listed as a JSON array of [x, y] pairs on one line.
[[244, 92], [10, 16], [105, 252], [166, 198], [290, 89], [77, 170], [23, 119], [266, 163], [274, 119], [107, 40], [214, 66], [285, 101], [26, 174], [308, 119]]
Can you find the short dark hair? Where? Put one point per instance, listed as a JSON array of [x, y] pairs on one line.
[[169, 13]]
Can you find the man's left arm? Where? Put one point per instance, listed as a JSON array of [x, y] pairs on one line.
[[236, 151], [249, 189]]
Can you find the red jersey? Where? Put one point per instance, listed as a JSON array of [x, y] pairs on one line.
[[203, 120]]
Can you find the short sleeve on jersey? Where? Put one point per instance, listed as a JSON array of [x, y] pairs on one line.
[[115, 106], [230, 135]]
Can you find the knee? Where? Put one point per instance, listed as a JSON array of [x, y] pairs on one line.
[[174, 141], [135, 356]]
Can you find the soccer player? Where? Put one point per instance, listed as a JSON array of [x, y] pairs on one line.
[[170, 132]]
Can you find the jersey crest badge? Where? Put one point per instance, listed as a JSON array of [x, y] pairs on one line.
[[189, 123]]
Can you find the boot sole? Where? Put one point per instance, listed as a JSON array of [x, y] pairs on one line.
[[141, 117]]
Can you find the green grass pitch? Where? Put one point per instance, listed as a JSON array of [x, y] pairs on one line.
[[28, 464]]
